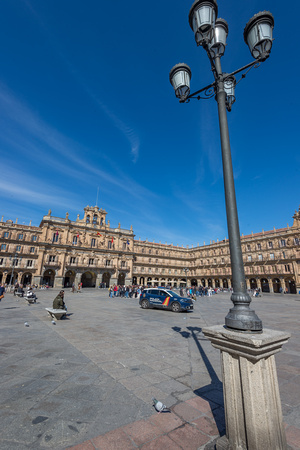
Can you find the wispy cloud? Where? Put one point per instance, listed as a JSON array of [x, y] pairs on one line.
[[128, 131]]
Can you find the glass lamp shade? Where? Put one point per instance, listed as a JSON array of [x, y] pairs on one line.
[[218, 42], [202, 17], [258, 34], [229, 88], [180, 78]]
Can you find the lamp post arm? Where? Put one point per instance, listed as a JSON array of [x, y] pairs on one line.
[[253, 63], [240, 317], [201, 90]]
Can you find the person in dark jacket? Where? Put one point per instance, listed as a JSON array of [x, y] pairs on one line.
[[58, 302]]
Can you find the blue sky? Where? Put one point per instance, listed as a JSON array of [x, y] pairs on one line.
[[86, 102]]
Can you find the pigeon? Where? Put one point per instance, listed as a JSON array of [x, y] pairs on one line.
[[159, 406], [26, 324], [53, 322]]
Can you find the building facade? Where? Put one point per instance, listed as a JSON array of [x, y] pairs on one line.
[[61, 252]]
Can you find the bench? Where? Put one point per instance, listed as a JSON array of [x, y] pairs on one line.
[[30, 299], [56, 314]]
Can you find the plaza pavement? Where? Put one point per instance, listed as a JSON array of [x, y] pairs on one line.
[[87, 382]]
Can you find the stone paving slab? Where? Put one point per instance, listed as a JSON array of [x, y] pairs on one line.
[[87, 382]]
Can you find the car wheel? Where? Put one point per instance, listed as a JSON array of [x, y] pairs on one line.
[[175, 307], [145, 304]]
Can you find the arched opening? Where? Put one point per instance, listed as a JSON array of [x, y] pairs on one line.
[[149, 281], [88, 279], [225, 283], [95, 219], [291, 286], [276, 285], [203, 283], [194, 282], [134, 280], [14, 279], [183, 282], [209, 282], [162, 283], [121, 279], [156, 282], [69, 278], [48, 278], [106, 279], [26, 279], [253, 283], [88, 219], [1, 276], [217, 283], [142, 281], [265, 285]]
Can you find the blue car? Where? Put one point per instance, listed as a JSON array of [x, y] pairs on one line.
[[165, 299]]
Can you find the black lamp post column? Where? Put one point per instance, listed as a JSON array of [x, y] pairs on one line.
[[240, 317]]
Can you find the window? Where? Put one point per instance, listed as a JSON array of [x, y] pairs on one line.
[[91, 261], [149, 270], [282, 243], [162, 270], [156, 261], [270, 244], [55, 237], [215, 261], [72, 260], [31, 249], [149, 260], [222, 260], [249, 258], [107, 263], [6, 234], [260, 257], [124, 245], [93, 242], [272, 256], [287, 268], [283, 255], [142, 269], [33, 238], [51, 258], [18, 248], [149, 252], [175, 271], [170, 271], [248, 248], [1, 261], [258, 246], [29, 263], [143, 250], [20, 237], [123, 264], [15, 262], [157, 252], [109, 244], [3, 247], [296, 241], [75, 240], [88, 219]]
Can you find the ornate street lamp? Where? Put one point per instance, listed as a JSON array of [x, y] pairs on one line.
[[211, 33]]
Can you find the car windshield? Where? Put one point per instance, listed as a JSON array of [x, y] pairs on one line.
[[173, 294]]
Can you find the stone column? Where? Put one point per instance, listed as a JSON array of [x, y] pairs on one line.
[[251, 394], [98, 279]]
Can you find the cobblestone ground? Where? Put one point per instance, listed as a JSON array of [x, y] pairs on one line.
[[87, 382]]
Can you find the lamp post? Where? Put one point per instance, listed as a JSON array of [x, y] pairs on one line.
[[14, 259], [186, 269], [211, 33]]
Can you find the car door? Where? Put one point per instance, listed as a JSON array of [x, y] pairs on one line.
[[154, 298], [165, 299]]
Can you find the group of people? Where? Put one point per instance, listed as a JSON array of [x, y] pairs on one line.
[[125, 291]]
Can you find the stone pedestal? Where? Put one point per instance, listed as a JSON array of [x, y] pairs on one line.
[[251, 396]]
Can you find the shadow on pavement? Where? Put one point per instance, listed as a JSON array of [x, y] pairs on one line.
[[213, 392]]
